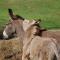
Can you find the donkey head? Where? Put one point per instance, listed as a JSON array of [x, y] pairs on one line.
[[14, 24], [32, 28]]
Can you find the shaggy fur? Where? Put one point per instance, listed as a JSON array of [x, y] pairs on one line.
[[11, 49], [39, 48]]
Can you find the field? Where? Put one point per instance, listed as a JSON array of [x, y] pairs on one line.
[[47, 10]]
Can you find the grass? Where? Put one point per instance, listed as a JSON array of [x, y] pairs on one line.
[[47, 10]]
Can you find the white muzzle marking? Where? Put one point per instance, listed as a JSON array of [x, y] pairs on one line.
[[5, 35]]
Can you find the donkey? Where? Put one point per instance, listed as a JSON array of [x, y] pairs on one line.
[[15, 28], [38, 48]]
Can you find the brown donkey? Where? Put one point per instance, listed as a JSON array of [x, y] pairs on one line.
[[12, 49], [38, 48]]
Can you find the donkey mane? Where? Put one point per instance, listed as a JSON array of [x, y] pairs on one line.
[[20, 17], [14, 17]]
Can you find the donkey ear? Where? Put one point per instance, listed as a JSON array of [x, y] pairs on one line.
[[39, 20], [11, 13]]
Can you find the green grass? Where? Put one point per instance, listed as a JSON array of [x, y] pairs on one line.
[[47, 10]]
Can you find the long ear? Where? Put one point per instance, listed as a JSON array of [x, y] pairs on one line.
[[11, 14], [39, 20]]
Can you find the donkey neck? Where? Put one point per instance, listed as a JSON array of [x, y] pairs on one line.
[[28, 35]]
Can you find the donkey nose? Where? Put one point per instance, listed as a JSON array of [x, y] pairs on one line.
[[5, 36]]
